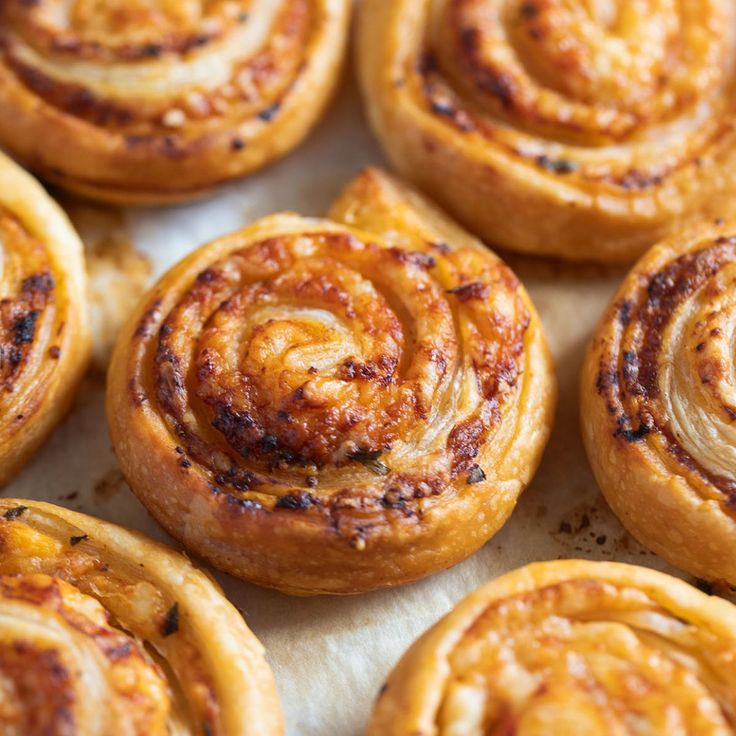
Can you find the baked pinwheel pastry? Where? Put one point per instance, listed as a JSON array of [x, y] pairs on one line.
[[570, 647], [145, 101], [658, 401], [44, 333], [585, 130], [107, 633], [333, 406]]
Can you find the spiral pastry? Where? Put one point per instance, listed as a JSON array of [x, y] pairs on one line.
[[659, 401], [334, 405], [570, 647], [106, 633], [585, 130], [44, 333], [146, 101]]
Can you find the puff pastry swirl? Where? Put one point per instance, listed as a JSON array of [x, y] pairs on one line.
[[145, 101], [44, 332], [571, 647], [334, 405], [586, 130], [658, 399], [105, 632]]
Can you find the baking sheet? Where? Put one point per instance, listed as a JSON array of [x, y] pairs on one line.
[[330, 655]]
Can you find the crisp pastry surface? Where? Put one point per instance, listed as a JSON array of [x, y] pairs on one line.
[[658, 399], [104, 632], [570, 647], [44, 332], [144, 101], [334, 405], [586, 130]]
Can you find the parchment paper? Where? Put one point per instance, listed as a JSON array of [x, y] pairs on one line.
[[330, 655]]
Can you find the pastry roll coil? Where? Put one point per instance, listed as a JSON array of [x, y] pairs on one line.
[[334, 405]]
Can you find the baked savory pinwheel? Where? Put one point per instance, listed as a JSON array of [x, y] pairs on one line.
[[574, 648], [334, 405], [144, 101], [44, 331], [658, 398], [586, 130], [104, 632]]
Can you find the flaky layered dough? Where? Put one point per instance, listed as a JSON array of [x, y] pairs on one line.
[[334, 405], [44, 333], [574, 648], [104, 632], [658, 399], [586, 130], [141, 101]]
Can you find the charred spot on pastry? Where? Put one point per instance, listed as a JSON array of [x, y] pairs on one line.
[[54, 352], [393, 499], [24, 328], [637, 179], [39, 283], [624, 311], [441, 247], [443, 106], [630, 434], [152, 50], [558, 165], [472, 290], [237, 144], [15, 513], [529, 10], [75, 540], [476, 475], [269, 113], [170, 624], [296, 501], [414, 257], [269, 443], [311, 481]]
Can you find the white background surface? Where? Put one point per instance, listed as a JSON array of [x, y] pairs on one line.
[[330, 655]]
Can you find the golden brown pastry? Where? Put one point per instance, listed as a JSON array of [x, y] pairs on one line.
[[144, 101], [586, 130], [44, 332], [658, 398], [333, 406], [570, 648], [107, 633]]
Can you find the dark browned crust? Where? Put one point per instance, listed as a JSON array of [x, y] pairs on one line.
[[21, 313], [630, 377]]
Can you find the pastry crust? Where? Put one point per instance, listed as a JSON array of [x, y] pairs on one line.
[[106, 632], [658, 397], [334, 406], [582, 131], [570, 647], [151, 102], [44, 332]]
